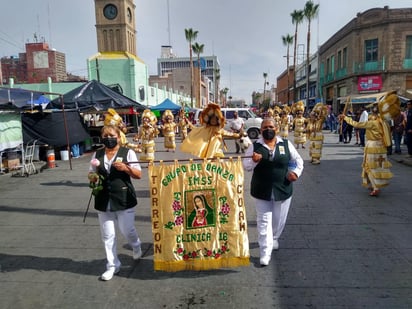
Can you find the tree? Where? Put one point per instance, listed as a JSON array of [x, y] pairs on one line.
[[191, 35], [224, 92], [198, 49], [217, 79], [287, 41], [297, 18], [310, 11]]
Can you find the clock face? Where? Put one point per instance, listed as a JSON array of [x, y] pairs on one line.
[[110, 11]]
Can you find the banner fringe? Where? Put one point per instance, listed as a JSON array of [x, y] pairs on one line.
[[175, 266]]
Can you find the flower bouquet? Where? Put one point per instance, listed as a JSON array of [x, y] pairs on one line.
[[95, 183], [96, 180]]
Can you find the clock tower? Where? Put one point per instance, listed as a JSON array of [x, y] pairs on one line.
[[115, 26]]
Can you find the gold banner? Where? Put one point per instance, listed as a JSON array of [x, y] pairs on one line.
[[198, 215]]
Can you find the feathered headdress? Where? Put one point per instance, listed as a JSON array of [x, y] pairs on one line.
[[147, 113], [209, 111], [390, 106], [298, 106], [320, 109], [286, 109], [167, 114], [112, 118]]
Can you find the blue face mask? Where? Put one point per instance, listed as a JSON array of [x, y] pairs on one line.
[[109, 142], [268, 134]]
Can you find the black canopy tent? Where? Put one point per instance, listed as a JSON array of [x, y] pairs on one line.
[[94, 96], [48, 127], [20, 99]]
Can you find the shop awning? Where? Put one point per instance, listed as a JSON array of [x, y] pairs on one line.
[[370, 98]]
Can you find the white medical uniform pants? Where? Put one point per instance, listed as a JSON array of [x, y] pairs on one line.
[[125, 220], [271, 220]]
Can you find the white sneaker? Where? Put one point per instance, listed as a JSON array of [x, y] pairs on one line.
[[275, 245], [137, 253], [264, 261], [108, 274]]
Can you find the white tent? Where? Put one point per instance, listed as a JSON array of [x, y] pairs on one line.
[[11, 133]]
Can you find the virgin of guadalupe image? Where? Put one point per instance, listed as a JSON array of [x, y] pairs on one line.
[[202, 214]]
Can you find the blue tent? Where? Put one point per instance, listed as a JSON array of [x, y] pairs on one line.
[[166, 104], [20, 98]]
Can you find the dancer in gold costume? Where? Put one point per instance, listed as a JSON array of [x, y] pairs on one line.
[[146, 135], [376, 172], [184, 124], [207, 141], [314, 132], [284, 122], [276, 113], [299, 124], [169, 130]]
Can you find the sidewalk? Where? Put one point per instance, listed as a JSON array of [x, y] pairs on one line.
[[340, 248]]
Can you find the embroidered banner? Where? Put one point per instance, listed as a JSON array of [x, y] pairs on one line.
[[198, 215]]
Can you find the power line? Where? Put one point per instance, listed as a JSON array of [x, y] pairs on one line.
[[11, 43]]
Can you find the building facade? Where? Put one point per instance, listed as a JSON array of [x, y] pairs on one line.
[[370, 54], [36, 65], [284, 82], [117, 62], [209, 66]]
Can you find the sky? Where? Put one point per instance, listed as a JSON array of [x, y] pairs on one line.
[[245, 35]]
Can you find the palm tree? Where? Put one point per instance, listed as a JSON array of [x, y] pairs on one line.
[[217, 79], [287, 40], [198, 49], [224, 92], [191, 35], [310, 11], [297, 18]]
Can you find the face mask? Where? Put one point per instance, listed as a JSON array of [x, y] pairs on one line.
[[109, 142], [268, 134]]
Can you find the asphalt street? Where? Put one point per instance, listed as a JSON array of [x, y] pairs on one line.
[[341, 248]]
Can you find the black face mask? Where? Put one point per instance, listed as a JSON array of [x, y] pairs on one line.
[[109, 142], [268, 134]]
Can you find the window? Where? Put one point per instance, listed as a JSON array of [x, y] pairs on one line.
[[371, 50], [408, 47], [339, 59], [345, 58]]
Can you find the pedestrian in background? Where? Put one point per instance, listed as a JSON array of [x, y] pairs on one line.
[[398, 130], [408, 128], [356, 118], [347, 135], [362, 131], [276, 164], [236, 126], [116, 199]]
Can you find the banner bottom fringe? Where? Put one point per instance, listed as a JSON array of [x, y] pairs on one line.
[[174, 266]]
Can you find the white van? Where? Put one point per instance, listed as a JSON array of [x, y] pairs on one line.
[[252, 122]]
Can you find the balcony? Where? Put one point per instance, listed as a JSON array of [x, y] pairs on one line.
[[341, 73], [371, 66], [329, 77], [407, 64]]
